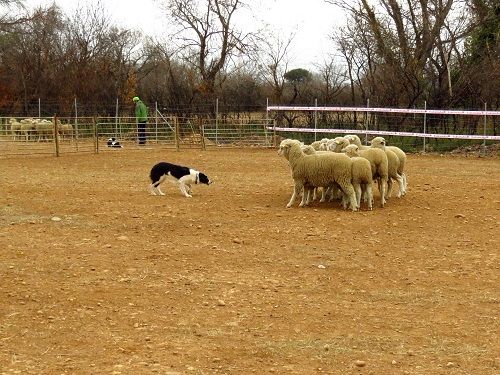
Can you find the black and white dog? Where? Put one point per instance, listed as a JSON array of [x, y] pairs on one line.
[[112, 142], [183, 176]]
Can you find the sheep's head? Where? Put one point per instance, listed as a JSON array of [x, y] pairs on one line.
[[330, 145], [323, 146], [338, 144], [308, 149], [378, 142], [351, 150], [285, 146], [353, 139]]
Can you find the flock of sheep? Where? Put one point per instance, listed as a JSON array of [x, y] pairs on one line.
[[344, 169], [38, 129]]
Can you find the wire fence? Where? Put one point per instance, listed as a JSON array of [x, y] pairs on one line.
[[62, 135], [410, 129]]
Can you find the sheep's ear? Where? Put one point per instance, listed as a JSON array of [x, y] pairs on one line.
[[343, 150]]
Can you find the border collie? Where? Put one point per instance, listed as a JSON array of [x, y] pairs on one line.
[[183, 176], [112, 142]]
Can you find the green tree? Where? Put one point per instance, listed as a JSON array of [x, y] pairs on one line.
[[297, 78]]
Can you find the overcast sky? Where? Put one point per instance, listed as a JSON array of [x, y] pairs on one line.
[[311, 20]]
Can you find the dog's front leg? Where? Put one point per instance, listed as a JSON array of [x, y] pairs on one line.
[[182, 186]]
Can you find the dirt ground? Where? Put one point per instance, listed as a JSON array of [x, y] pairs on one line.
[[98, 277]]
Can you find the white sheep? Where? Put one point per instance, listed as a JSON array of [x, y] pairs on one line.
[[15, 128], [317, 170], [378, 161], [337, 144], [65, 130], [333, 192], [309, 150], [379, 165], [401, 156], [355, 140], [27, 128], [44, 129], [362, 178], [394, 169], [319, 145]]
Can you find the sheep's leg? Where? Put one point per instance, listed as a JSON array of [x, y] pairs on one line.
[[405, 183], [381, 188], [314, 193], [310, 195], [334, 193], [357, 190], [401, 185], [344, 201], [348, 190], [304, 192], [333, 190], [323, 195], [368, 192], [297, 188], [326, 192], [389, 188], [305, 197], [189, 189]]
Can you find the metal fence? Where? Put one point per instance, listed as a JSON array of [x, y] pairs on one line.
[[410, 129], [62, 135]]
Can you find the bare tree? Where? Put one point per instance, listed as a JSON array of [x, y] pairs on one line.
[[477, 73], [411, 41], [31, 56], [100, 58], [355, 44], [332, 79], [209, 40], [167, 80], [7, 19], [274, 61]]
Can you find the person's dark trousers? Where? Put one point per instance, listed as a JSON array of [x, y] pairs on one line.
[[141, 132]]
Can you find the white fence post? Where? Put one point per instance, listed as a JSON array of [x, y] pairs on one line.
[[315, 119], [425, 123], [216, 119], [266, 122], [484, 129], [156, 121], [116, 119], [366, 121], [76, 124]]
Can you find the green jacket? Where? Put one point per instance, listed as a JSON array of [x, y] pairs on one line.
[[141, 111]]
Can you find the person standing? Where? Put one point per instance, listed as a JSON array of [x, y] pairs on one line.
[[141, 115]]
